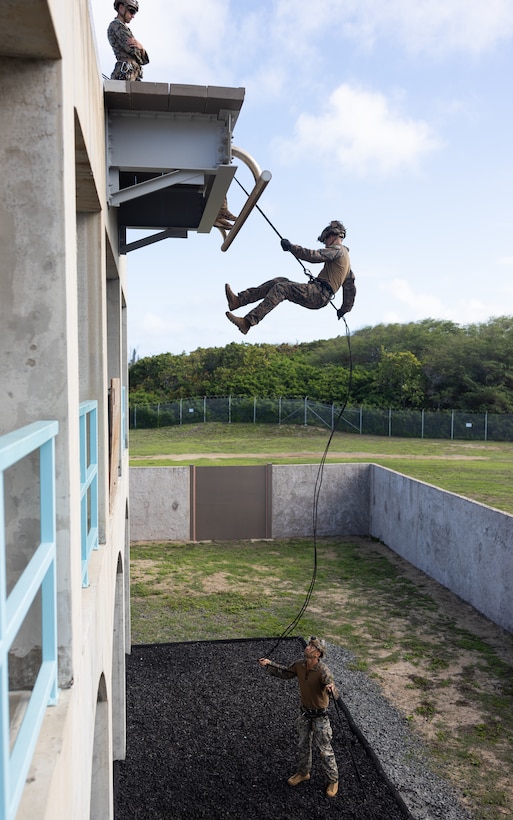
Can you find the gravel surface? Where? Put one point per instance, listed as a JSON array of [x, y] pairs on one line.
[[401, 756], [211, 735]]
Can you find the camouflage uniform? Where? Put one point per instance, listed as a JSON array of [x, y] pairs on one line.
[[313, 723], [312, 295], [129, 59]]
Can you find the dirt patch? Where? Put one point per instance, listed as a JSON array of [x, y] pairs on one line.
[[456, 610]]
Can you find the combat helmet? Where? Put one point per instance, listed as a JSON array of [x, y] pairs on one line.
[[134, 4], [335, 227], [319, 644]]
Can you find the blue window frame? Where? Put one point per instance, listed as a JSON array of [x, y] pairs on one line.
[[38, 577], [88, 483]]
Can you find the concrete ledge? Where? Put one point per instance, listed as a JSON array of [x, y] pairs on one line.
[[121, 95]]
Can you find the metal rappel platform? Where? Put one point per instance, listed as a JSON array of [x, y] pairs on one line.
[[169, 159]]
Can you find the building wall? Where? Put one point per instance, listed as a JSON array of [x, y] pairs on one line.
[[62, 340], [463, 545]]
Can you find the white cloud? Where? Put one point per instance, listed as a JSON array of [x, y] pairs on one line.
[[437, 26], [185, 43], [361, 132], [432, 26], [401, 294], [405, 304], [506, 261], [222, 42]]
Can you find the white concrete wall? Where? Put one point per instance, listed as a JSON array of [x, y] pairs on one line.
[[343, 501], [159, 504], [463, 545]]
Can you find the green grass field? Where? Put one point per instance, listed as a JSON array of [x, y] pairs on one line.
[[482, 471], [447, 669]]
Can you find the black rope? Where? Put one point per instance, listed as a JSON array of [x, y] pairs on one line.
[[305, 271], [356, 731], [348, 743], [315, 513], [318, 482]]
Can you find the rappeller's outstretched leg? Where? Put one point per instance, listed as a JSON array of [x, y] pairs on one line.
[[311, 295]]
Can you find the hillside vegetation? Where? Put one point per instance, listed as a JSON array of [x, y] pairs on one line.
[[430, 365]]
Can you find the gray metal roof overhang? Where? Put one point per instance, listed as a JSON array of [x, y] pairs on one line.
[[169, 155]]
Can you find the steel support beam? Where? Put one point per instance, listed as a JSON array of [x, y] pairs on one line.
[[169, 233], [156, 184]]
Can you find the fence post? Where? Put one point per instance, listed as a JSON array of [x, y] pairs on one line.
[[158, 414], [389, 422], [181, 401], [204, 409], [306, 411], [422, 423], [486, 426], [452, 425], [332, 416], [279, 410], [135, 417], [361, 419], [229, 409], [254, 410]]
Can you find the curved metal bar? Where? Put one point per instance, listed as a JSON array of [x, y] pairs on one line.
[[252, 164]]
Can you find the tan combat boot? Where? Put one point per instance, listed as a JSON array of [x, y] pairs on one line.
[[332, 789], [240, 322], [298, 778], [233, 299]]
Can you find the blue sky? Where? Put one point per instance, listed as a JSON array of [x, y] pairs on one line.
[[395, 117]]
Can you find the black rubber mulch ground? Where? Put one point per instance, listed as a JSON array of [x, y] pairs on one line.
[[211, 735]]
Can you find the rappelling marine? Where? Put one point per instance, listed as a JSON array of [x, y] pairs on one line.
[[315, 294]]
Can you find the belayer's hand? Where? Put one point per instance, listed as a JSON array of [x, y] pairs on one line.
[[286, 244]]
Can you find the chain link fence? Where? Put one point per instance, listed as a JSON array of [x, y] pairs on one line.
[[449, 424]]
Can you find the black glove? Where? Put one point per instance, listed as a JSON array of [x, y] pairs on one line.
[[341, 312], [286, 244]]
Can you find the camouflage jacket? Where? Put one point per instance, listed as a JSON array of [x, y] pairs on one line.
[[118, 34], [336, 263], [312, 683]]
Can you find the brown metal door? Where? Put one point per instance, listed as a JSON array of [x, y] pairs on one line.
[[229, 503]]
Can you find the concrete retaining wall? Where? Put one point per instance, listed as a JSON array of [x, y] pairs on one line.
[[343, 503], [159, 504], [463, 545]]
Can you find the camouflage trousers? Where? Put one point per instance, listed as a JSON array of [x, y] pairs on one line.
[[309, 295], [124, 70], [317, 731]]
